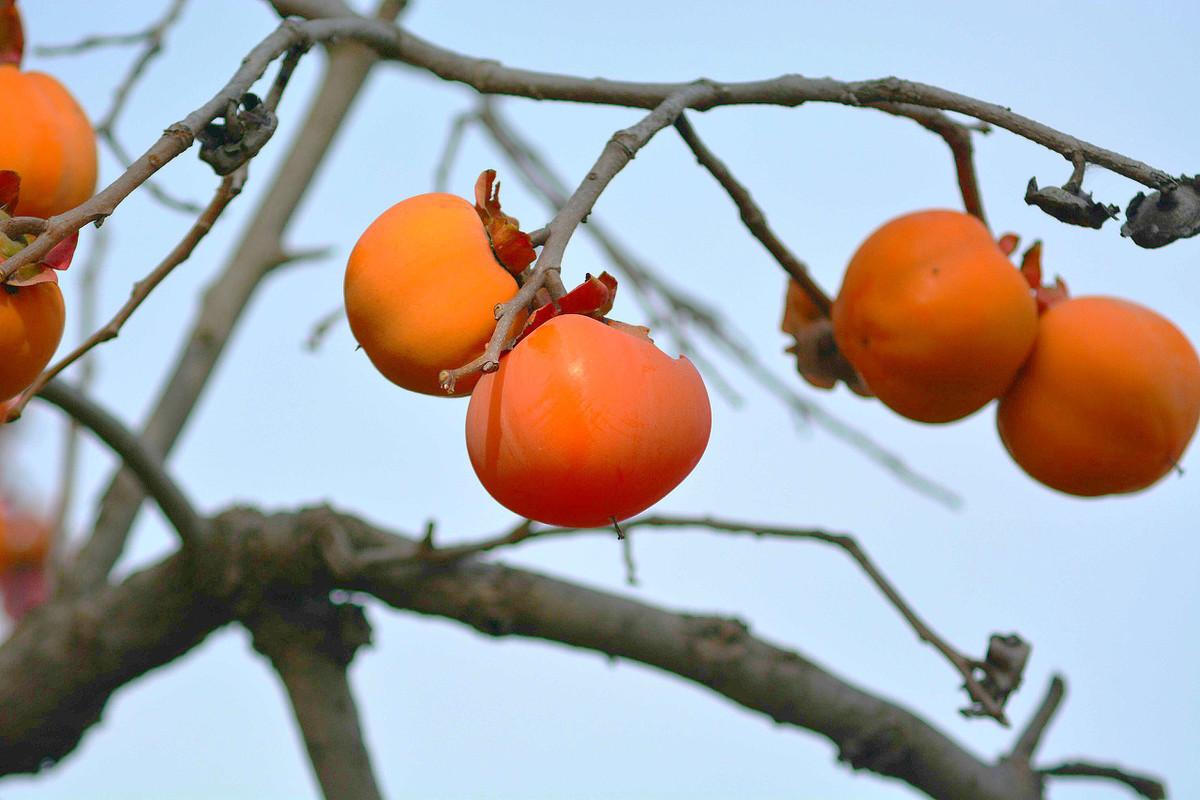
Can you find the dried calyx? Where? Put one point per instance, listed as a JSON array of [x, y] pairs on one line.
[[513, 248], [1164, 216]]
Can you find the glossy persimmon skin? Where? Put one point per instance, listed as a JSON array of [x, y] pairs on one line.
[[46, 138], [933, 316], [1108, 401], [421, 290], [583, 424], [31, 326]]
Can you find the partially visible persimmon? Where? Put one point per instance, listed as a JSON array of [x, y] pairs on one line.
[[421, 290], [586, 423], [933, 316], [1108, 401], [24, 539], [44, 134], [31, 325]]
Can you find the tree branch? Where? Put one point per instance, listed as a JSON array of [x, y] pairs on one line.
[[1147, 787], [1031, 737], [618, 152], [311, 642], [226, 299], [133, 454], [230, 187]]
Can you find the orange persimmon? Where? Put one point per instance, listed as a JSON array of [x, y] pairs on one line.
[[24, 539], [44, 134], [421, 290], [1108, 401], [933, 316], [31, 325], [586, 423]]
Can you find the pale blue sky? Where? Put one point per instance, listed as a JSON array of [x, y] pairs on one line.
[[1105, 589]]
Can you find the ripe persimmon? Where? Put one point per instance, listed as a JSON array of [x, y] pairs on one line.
[[421, 290], [586, 423], [44, 134], [31, 325], [24, 539], [1107, 402], [933, 316]]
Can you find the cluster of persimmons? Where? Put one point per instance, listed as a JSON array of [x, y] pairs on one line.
[[47, 166], [583, 422], [1097, 395]]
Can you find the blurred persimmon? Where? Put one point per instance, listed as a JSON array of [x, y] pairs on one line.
[[31, 324], [1108, 401], [933, 316]]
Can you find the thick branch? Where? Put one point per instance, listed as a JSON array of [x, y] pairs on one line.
[[148, 469], [157, 614], [310, 642]]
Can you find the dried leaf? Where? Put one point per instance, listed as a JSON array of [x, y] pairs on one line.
[[513, 248], [1031, 268], [818, 359], [10, 190], [12, 34]]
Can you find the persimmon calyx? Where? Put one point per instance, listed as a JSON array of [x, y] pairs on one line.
[[12, 34], [818, 359], [59, 257], [592, 298], [512, 247], [1031, 268]]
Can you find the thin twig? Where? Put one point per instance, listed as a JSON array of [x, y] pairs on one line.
[[229, 189], [441, 173], [1150, 788], [1031, 737], [958, 137], [133, 454], [321, 328], [527, 531], [753, 217]]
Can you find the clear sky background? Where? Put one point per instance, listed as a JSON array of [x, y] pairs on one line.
[[1105, 589]]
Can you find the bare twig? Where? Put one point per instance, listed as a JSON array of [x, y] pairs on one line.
[[133, 454], [229, 189], [1031, 737], [965, 666], [1150, 788], [753, 217], [20, 226], [310, 641], [441, 173], [618, 152], [148, 36], [958, 137]]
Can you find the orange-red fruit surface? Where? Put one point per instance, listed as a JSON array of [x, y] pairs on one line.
[[24, 540], [47, 139], [933, 316], [31, 326], [421, 289], [584, 423], [1108, 401]]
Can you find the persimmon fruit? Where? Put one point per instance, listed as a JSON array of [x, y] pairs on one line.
[[585, 423], [44, 134], [1107, 402], [421, 289], [31, 325], [933, 316]]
